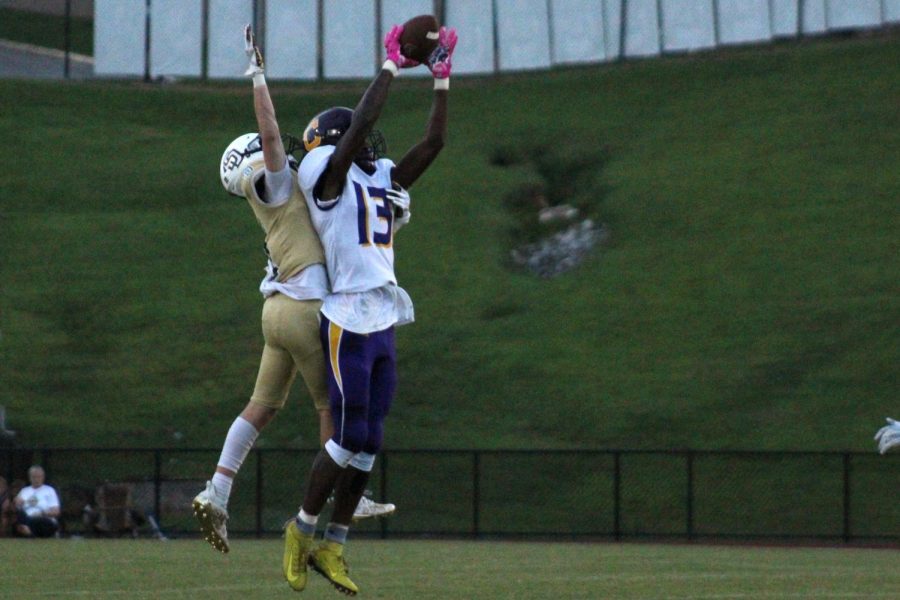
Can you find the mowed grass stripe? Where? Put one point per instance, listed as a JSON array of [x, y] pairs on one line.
[[400, 570]]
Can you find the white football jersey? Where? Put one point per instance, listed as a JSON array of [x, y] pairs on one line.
[[356, 230]]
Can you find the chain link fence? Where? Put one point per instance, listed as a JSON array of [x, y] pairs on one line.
[[572, 494]]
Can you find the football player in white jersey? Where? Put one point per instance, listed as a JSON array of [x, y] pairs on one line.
[[349, 189], [257, 167]]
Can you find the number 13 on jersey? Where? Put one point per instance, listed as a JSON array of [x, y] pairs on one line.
[[374, 201]]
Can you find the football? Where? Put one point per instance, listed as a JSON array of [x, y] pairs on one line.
[[419, 37]]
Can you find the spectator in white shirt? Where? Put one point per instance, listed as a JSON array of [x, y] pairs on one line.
[[37, 506]]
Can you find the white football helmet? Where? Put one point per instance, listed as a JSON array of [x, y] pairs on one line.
[[237, 156]]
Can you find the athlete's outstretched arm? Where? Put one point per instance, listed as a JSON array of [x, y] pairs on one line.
[[269, 133], [420, 156], [366, 113]]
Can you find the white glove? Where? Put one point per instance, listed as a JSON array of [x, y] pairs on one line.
[[257, 65], [888, 436], [400, 199]]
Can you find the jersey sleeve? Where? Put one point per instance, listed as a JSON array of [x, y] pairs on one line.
[[278, 186], [311, 168]]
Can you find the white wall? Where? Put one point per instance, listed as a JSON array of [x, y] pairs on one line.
[[227, 18], [744, 21], [176, 38], [688, 26], [578, 31], [612, 21], [784, 17], [523, 34], [119, 37], [891, 11], [641, 28], [473, 20], [850, 15], [814, 15], [348, 44], [291, 45]]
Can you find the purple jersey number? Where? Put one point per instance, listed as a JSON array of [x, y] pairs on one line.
[[382, 211]]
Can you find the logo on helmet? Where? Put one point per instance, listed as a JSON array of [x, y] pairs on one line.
[[311, 137], [232, 159], [247, 146]]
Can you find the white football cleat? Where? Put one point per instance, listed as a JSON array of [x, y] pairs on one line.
[[888, 437], [366, 509], [210, 512]]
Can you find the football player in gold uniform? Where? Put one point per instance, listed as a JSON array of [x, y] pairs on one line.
[[257, 167]]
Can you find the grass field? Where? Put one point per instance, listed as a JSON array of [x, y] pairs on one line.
[[417, 570]]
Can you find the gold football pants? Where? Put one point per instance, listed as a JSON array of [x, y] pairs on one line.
[[291, 331]]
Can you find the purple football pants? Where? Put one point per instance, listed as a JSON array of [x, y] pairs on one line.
[[362, 378]]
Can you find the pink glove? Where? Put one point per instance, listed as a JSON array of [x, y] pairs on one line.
[[392, 45], [439, 62]]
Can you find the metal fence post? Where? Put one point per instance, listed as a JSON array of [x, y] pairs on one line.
[[259, 491], [617, 496], [320, 40], [846, 531], [660, 29], [157, 483], [690, 494], [496, 31], [67, 37], [384, 472], [204, 40], [476, 500], [147, 41]]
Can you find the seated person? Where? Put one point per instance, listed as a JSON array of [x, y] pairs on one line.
[[37, 507], [5, 501], [8, 508]]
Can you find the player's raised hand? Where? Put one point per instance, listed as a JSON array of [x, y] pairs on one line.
[[257, 66], [392, 46], [440, 62], [888, 436]]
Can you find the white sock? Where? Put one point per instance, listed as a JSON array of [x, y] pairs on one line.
[[306, 522], [238, 443], [222, 484], [307, 518]]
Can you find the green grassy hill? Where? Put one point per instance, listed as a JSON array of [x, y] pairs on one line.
[[47, 30], [747, 296]]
